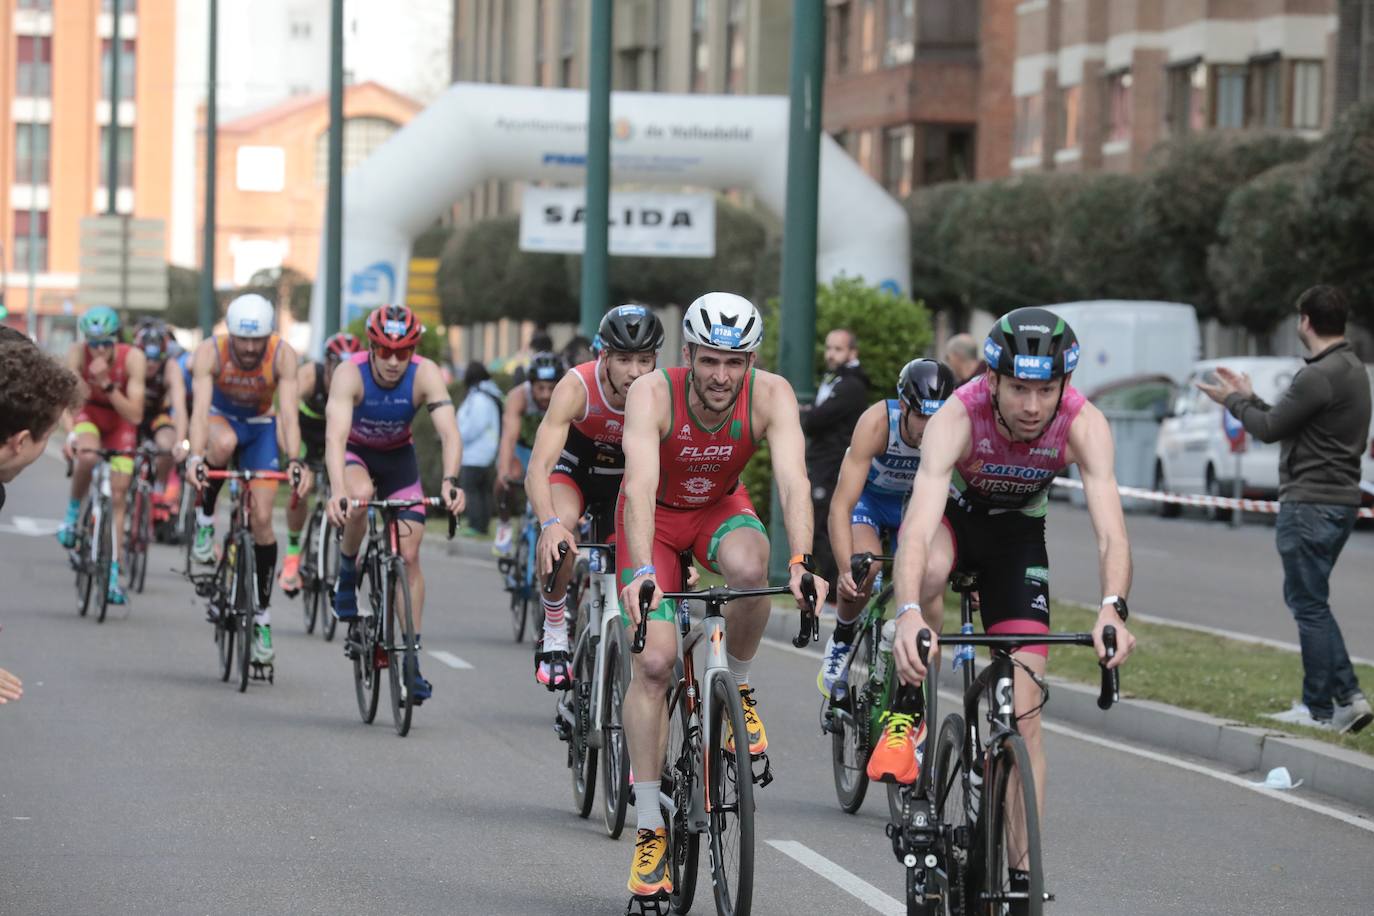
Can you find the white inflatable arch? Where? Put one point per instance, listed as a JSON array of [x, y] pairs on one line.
[[477, 131]]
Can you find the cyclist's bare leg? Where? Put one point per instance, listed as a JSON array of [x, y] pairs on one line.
[[84, 463], [119, 493], [220, 445], [1028, 697], [358, 484], [865, 540], [743, 561], [165, 439], [412, 533], [645, 710], [939, 564], [260, 520]]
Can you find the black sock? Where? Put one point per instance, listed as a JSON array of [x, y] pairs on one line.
[[844, 632], [266, 557], [211, 492]]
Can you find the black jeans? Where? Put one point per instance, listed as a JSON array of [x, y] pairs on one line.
[[1310, 537], [476, 481]]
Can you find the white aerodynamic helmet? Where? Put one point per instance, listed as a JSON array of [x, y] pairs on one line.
[[250, 315], [723, 321]]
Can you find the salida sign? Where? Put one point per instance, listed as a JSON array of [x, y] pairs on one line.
[[640, 224]]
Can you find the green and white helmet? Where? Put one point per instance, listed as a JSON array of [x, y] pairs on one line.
[[100, 324]]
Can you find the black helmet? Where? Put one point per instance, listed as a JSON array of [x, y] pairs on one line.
[[631, 329], [545, 367], [925, 385], [1033, 344]]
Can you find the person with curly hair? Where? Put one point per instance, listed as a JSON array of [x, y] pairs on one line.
[[34, 391]]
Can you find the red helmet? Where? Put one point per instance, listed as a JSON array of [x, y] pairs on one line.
[[341, 345], [394, 327]]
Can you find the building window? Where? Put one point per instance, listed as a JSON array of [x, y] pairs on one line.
[[1229, 105], [865, 151], [1071, 98], [735, 47], [899, 150], [1030, 125], [1307, 94], [900, 47], [700, 53], [300, 29], [1267, 109], [41, 5], [35, 67], [1118, 107], [125, 164], [126, 69], [1187, 108], [21, 240], [656, 54], [125, 6], [567, 41], [840, 34], [361, 137], [948, 153], [31, 153], [540, 36]]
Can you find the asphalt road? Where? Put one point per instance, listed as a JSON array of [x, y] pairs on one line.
[[133, 781], [1210, 574]]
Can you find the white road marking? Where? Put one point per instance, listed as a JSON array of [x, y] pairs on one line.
[[31, 527], [448, 658], [844, 880], [1353, 820]]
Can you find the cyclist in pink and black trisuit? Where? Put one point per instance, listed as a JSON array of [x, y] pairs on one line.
[[988, 459]]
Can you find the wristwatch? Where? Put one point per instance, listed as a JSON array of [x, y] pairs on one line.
[[1119, 603], [805, 560], [108, 388]]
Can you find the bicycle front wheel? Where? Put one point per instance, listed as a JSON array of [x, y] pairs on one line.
[[226, 623], [245, 610], [581, 755], [84, 563], [102, 563], [680, 770], [615, 762], [400, 641], [1012, 829], [368, 654], [953, 809], [136, 543], [329, 574], [849, 739], [730, 801]]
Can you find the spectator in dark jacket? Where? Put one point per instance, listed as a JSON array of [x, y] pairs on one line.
[[828, 424], [964, 358], [1322, 423]]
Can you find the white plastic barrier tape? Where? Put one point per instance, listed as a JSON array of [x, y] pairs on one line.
[[1187, 499]]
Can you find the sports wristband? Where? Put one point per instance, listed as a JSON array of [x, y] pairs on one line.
[[803, 560], [549, 523], [909, 606], [643, 571]]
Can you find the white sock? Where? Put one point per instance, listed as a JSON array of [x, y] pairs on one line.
[[263, 618], [204, 520], [739, 668], [648, 815]]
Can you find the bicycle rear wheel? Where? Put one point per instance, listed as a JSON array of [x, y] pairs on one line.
[[521, 593], [103, 558], [679, 772], [947, 786], [1012, 827], [139, 525], [310, 572], [245, 610], [730, 799], [850, 741], [581, 755], [400, 643], [615, 763]]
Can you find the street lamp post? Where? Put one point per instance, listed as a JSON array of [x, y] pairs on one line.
[[595, 261], [207, 259], [333, 265]]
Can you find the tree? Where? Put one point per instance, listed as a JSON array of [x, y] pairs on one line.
[[931, 280], [183, 298], [281, 285], [1097, 249], [1342, 208], [1184, 193], [483, 276], [1265, 253]]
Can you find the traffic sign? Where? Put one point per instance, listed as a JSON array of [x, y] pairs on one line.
[[123, 262], [1235, 431]]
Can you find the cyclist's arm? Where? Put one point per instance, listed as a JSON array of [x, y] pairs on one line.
[[946, 438], [129, 402], [73, 361], [345, 388], [506, 463], [202, 390], [433, 394], [870, 437], [176, 396], [646, 407], [288, 400], [782, 429], [305, 377], [568, 402], [1091, 446]]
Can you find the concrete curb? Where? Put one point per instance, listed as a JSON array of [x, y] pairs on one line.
[[1333, 771]]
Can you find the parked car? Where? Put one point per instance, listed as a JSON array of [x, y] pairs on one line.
[[1193, 453]]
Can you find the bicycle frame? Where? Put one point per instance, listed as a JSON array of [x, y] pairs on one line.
[[595, 640]]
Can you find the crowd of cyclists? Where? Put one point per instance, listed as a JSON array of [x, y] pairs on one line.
[[623, 450]]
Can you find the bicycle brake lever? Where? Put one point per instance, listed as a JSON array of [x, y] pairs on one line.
[[1111, 678], [923, 646], [810, 621], [552, 577], [858, 567], [646, 595]]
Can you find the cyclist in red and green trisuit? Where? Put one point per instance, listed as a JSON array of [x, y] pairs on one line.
[[688, 434]]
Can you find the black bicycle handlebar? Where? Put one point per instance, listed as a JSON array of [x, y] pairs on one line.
[[646, 597], [719, 594], [552, 577], [436, 501], [859, 564], [1111, 677]]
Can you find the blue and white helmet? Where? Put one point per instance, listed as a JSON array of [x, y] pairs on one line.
[[250, 315], [723, 321]]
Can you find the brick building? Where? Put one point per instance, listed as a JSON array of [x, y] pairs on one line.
[[1098, 83]]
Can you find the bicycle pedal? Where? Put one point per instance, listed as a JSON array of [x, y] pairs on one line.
[[262, 672], [651, 905], [761, 779]]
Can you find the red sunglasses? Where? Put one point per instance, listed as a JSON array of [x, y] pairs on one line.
[[400, 354]]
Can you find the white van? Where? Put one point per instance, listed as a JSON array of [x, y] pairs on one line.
[[1193, 454], [1121, 339]]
